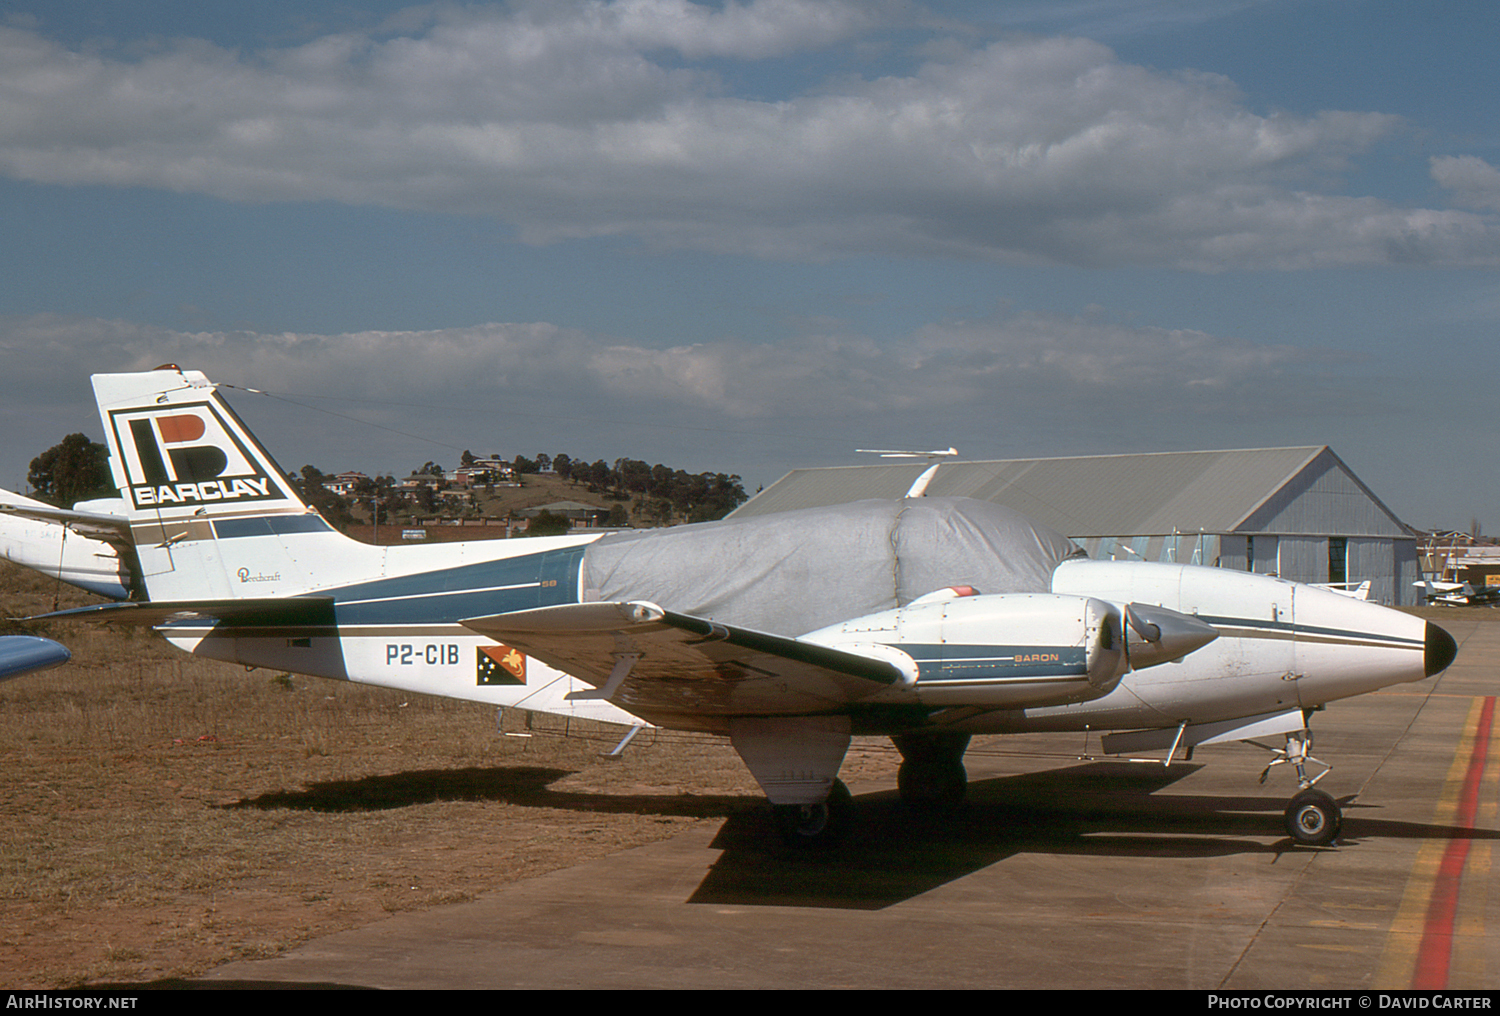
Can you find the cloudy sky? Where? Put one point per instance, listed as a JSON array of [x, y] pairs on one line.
[[750, 236]]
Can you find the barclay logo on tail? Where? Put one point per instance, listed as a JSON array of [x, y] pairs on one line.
[[187, 455]]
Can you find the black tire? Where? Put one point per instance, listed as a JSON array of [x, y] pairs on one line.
[[1313, 818], [932, 786], [815, 826]]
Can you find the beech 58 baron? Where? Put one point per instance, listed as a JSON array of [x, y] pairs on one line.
[[927, 620]]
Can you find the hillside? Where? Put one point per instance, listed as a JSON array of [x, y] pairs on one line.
[[536, 489]]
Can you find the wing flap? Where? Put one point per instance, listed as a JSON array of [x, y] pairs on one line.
[[649, 660]]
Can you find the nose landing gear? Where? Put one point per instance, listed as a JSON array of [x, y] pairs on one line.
[[1313, 817]]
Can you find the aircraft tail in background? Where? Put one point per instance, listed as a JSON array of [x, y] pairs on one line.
[[87, 549]]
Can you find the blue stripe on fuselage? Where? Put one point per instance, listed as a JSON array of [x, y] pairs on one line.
[[1297, 628], [949, 662], [475, 590]]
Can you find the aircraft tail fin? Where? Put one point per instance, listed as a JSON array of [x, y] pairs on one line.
[[212, 514]]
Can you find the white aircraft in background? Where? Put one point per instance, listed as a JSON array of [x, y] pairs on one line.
[[925, 619], [1458, 594]]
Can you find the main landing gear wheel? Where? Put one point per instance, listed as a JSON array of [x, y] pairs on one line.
[[1313, 818], [932, 778], [932, 786], [815, 826]]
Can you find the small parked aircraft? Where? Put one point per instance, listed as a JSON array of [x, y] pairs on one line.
[[1458, 594], [927, 620]]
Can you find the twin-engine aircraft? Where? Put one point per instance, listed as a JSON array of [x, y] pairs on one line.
[[927, 620]]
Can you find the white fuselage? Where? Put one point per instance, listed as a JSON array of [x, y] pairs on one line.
[[1282, 646]]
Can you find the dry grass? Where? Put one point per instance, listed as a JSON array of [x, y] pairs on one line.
[[160, 814]]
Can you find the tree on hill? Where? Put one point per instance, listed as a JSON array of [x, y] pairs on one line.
[[547, 524], [380, 497], [74, 469], [333, 508], [596, 476], [663, 496]]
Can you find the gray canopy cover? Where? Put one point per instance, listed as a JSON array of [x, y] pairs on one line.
[[798, 571]]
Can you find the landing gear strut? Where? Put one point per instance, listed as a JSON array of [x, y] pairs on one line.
[[1312, 817], [932, 777]]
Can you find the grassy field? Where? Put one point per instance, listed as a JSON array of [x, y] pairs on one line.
[[160, 814]]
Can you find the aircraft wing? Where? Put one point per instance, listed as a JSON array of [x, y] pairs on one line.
[[649, 661], [288, 610]]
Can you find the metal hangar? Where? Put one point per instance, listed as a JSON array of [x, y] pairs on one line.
[[1299, 513]]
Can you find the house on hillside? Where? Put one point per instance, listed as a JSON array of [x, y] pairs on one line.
[[345, 483], [483, 471]]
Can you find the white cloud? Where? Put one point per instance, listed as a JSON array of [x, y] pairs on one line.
[[1014, 384], [612, 119], [1082, 362], [1475, 183]]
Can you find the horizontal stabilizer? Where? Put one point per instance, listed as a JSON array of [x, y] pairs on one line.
[[111, 528], [649, 660], [286, 610]]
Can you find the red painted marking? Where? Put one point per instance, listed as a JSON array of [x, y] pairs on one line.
[[1436, 951], [176, 429]]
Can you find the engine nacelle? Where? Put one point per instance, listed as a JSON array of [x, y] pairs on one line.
[[1010, 650]]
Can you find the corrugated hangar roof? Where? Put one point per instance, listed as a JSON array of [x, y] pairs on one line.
[[1108, 495]]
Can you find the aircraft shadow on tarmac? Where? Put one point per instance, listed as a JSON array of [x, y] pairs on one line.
[[1101, 808], [893, 854], [523, 785]]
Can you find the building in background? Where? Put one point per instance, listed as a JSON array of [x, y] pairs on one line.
[[1299, 513]]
